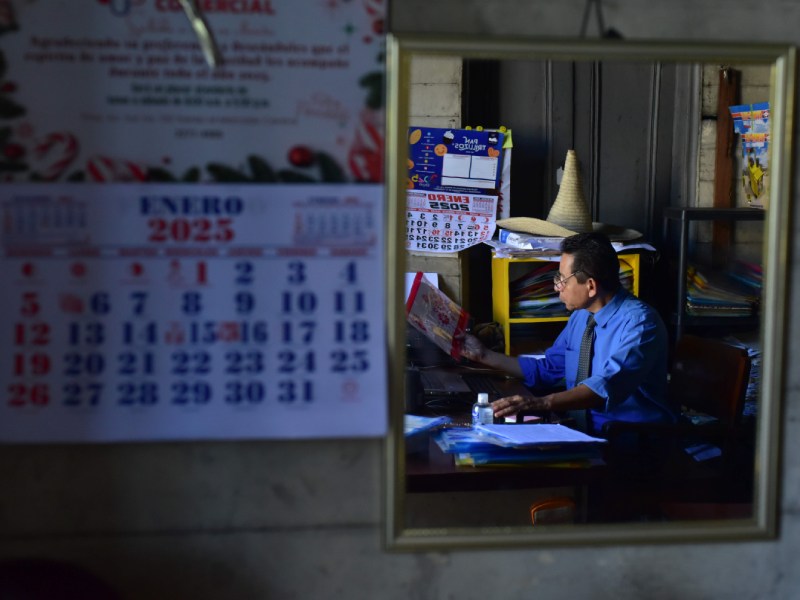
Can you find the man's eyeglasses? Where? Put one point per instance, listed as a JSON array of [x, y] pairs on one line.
[[559, 280]]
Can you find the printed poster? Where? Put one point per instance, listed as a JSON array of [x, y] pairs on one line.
[[120, 90], [751, 122], [460, 160]]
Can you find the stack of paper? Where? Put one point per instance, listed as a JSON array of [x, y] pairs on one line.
[[533, 294], [704, 298], [542, 444]]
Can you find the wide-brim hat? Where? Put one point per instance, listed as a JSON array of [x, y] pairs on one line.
[[569, 214]]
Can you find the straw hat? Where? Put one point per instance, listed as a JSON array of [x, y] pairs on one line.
[[569, 214]]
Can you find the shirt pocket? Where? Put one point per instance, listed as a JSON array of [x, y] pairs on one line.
[[571, 354]]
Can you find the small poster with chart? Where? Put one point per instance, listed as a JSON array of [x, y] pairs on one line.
[[457, 160], [454, 177]]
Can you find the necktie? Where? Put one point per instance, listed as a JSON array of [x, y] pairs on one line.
[[581, 417], [585, 355]]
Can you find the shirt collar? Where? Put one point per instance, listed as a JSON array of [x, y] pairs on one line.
[[605, 314]]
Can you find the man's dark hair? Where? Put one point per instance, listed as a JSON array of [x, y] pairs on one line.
[[593, 256]]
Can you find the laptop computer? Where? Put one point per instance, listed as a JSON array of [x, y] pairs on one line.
[[444, 383]]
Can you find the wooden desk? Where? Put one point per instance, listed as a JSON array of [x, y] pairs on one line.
[[435, 471], [441, 494]]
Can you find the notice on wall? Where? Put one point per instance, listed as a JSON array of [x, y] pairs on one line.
[[159, 313], [444, 222], [457, 160], [120, 90]]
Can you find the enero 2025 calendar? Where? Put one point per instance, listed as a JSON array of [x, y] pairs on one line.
[[158, 312]]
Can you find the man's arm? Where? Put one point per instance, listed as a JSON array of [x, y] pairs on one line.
[[474, 350]]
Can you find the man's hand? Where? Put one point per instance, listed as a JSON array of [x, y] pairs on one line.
[[507, 407], [472, 348]]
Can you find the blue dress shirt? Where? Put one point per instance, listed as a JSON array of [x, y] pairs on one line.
[[629, 361]]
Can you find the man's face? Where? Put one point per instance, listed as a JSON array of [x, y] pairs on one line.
[[571, 292]]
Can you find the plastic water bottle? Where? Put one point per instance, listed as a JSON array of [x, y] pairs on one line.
[[482, 413]]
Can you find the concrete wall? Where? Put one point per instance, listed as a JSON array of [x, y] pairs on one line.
[[304, 520], [436, 102]]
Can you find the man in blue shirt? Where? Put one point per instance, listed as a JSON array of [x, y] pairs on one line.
[[627, 379]]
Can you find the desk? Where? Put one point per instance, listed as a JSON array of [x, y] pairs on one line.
[[436, 472], [441, 494], [618, 488]]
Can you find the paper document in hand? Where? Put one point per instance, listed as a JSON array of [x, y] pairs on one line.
[[437, 316], [536, 435]]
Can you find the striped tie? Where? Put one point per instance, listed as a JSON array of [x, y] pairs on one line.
[[585, 356], [581, 417]]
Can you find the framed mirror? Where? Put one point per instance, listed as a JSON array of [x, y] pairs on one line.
[[643, 118]]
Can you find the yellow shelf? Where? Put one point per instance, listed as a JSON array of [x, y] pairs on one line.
[[501, 298]]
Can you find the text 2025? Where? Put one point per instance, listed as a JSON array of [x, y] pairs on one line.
[[200, 229]]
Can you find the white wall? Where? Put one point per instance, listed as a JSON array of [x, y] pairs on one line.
[[285, 520], [435, 92]]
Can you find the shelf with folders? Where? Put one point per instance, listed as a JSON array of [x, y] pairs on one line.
[[523, 291], [718, 297], [736, 293]]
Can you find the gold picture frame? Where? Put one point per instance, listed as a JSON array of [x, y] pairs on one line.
[[401, 51]]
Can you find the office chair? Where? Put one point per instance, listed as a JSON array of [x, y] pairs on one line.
[[708, 381]]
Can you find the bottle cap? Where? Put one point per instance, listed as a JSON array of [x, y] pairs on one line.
[[483, 398]]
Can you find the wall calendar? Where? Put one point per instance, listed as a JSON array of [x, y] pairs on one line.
[[153, 312]]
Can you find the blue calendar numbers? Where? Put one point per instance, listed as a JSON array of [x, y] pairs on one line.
[[79, 365], [303, 303], [135, 363], [244, 394], [247, 362], [91, 333], [78, 395], [137, 394], [244, 271], [292, 391], [346, 361], [290, 361], [356, 332], [192, 303], [298, 332], [245, 303], [191, 393], [349, 302], [190, 363], [140, 333]]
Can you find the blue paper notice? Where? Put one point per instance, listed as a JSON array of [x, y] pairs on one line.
[[455, 160]]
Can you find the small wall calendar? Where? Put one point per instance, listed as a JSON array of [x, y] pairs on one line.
[[446, 222], [167, 312]]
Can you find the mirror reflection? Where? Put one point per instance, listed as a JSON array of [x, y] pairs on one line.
[[539, 185]]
